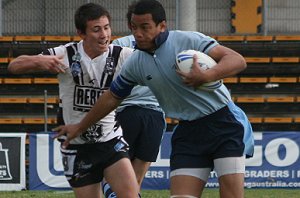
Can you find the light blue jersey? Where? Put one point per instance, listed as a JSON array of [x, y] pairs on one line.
[[140, 95], [158, 72], [126, 41]]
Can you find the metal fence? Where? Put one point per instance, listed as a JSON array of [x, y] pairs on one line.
[[55, 17]]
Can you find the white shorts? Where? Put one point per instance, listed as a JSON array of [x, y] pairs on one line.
[[222, 166]]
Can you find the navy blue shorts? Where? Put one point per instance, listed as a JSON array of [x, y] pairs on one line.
[[84, 164], [195, 144], [142, 129]]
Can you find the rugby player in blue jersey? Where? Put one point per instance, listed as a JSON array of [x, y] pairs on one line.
[[144, 137], [213, 133]]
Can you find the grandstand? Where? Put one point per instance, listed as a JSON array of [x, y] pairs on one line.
[[268, 90]]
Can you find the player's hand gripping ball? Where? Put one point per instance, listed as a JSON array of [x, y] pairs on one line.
[[184, 61]]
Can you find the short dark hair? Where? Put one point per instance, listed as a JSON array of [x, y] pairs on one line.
[[152, 7], [130, 11], [88, 12]]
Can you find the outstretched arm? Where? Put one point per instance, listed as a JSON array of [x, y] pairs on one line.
[[106, 103], [37, 63]]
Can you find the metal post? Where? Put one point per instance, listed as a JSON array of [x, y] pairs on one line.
[[45, 111], [177, 16], [265, 20], [186, 15], [1, 18]]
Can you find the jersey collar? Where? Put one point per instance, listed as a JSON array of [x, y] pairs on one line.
[[159, 40]]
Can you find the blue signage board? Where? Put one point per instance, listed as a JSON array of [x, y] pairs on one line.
[[275, 163]]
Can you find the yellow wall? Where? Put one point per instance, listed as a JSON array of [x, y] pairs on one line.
[[247, 17]]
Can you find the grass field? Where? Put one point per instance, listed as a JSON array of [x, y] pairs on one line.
[[208, 193]]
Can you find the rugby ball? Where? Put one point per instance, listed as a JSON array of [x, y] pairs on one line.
[[184, 62]]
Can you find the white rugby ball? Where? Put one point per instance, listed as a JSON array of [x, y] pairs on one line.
[[184, 62]]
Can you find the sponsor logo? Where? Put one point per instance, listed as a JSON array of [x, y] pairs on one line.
[[4, 164], [85, 97]]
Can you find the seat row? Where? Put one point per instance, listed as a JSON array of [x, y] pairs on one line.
[[260, 79], [238, 99], [287, 60], [26, 120], [40, 38], [254, 38], [229, 80], [42, 80], [241, 38], [52, 120], [31, 100]]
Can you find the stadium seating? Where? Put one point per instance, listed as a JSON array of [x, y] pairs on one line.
[[260, 45], [287, 38], [53, 39], [267, 90], [6, 46]]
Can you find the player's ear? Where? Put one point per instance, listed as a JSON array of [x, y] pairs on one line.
[[163, 26], [80, 34], [129, 26]]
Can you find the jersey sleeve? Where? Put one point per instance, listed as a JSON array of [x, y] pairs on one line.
[[120, 42], [126, 41], [205, 43], [58, 51], [121, 87], [125, 53], [125, 81]]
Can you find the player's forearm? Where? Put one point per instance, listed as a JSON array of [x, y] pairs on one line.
[[229, 63], [24, 64], [104, 105]]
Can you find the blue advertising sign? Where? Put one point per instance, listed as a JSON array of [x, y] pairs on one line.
[[275, 163], [45, 167]]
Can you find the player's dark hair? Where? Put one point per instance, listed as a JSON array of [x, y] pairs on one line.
[[88, 12], [152, 7], [130, 11]]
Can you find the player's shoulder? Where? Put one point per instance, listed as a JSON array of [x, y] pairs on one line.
[[127, 49], [59, 50], [123, 50], [181, 33], [65, 46], [70, 44], [126, 41]]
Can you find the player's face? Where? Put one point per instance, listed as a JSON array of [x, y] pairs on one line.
[[145, 30], [97, 36]]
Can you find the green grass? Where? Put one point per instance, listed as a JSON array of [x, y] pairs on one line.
[[208, 193]]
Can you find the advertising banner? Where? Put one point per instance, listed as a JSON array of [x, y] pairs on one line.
[[275, 163], [12, 161], [45, 167]]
